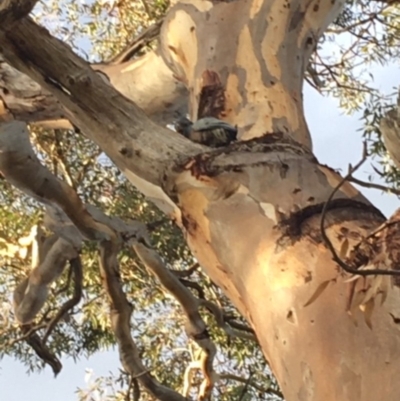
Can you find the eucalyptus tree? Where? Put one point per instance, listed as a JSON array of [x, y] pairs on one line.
[[305, 259]]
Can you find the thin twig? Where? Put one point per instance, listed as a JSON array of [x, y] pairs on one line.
[[27, 332], [245, 387], [155, 224], [185, 273], [195, 286], [374, 186], [254, 384], [239, 326]]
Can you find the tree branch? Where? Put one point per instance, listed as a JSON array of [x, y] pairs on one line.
[[195, 327], [369, 271], [144, 151], [117, 125], [16, 159], [76, 266], [161, 97]]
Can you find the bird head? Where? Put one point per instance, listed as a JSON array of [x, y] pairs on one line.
[[184, 126]]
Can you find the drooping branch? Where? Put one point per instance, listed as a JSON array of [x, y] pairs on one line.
[[138, 43], [120, 314], [32, 292], [195, 327], [48, 260], [77, 272]]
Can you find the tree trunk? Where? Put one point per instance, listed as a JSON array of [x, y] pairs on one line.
[[252, 215], [251, 212]]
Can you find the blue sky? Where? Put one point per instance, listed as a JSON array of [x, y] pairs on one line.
[[336, 143]]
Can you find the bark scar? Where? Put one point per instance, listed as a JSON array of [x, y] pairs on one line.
[[212, 96]]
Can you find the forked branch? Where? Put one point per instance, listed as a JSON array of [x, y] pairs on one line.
[[20, 166]]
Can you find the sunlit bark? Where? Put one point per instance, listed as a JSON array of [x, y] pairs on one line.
[[250, 212], [252, 216]]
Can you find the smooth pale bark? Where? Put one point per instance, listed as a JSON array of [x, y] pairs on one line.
[[251, 212], [234, 212], [256, 51], [270, 271]]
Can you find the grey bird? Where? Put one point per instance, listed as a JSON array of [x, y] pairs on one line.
[[207, 131], [389, 127]]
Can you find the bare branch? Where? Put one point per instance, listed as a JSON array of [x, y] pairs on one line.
[[186, 273], [16, 159], [219, 317], [365, 184], [76, 267], [252, 383], [163, 98], [120, 311], [195, 326], [117, 125]]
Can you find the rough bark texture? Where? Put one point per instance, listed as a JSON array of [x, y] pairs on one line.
[[12, 10], [163, 98], [140, 148], [251, 211]]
